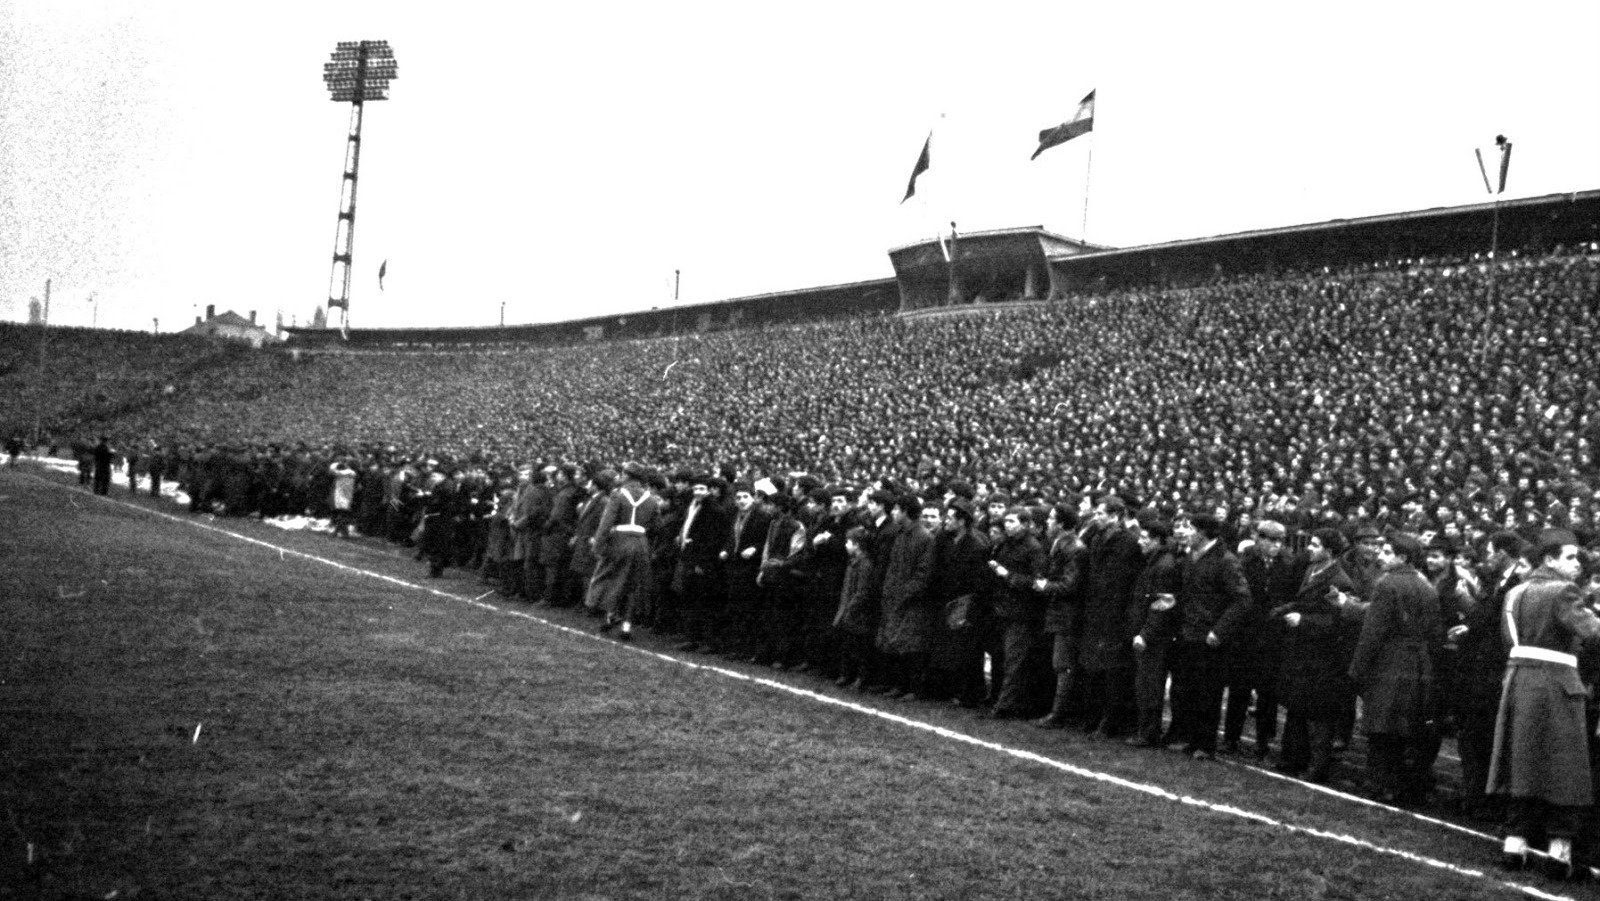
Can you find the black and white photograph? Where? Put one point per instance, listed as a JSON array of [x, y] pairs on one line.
[[828, 451]]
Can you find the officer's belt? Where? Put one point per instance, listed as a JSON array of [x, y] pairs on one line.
[[1527, 652]]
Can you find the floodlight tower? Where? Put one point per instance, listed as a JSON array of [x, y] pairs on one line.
[[357, 72]]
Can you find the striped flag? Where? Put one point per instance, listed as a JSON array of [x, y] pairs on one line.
[[1081, 123]]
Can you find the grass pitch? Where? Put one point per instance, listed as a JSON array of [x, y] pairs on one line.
[[186, 714]]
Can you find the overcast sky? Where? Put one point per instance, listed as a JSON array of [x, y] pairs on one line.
[[565, 159]]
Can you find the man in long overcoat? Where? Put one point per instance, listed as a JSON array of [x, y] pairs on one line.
[[581, 567], [1541, 758], [621, 581], [743, 630], [1392, 670], [697, 578], [1105, 650], [555, 538], [960, 571], [1019, 560], [1273, 576], [1313, 666], [529, 513], [1212, 606], [905, 631]]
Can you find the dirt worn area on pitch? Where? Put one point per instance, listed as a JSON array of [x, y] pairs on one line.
[[186, 715]]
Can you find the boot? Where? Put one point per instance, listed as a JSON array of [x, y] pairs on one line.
[[1514, 853], [1558, 865], [1057, 717]]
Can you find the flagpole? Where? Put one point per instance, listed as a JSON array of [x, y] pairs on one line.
[[1494, 239], [1088, 170]]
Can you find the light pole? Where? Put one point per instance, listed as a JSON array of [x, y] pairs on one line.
[[357, 72]]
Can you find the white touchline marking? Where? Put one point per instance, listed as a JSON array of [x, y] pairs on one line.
[[1367, 802], [961, 737]]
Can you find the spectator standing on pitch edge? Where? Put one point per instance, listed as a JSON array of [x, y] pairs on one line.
[[1541, 757], [101, 456], [1212, 606], [1393, 672], [343, 496]]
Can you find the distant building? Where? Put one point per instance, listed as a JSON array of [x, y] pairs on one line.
[[35, 311], [230, 326]]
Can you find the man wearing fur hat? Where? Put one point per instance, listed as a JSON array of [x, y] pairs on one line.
[[1541, 758]]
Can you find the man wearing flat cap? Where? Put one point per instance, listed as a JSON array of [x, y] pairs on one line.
[[1274, 578]]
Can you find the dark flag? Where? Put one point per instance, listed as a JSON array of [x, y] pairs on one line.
[[919, 168], [1505, 165], [383, 269], [1081, 123], [1505, 160]]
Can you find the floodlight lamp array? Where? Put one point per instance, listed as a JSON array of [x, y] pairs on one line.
[[360, 71]]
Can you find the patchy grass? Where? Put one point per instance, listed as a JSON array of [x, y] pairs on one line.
[[362, 739]]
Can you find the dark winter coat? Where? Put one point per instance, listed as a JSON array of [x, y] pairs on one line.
[[1215, 597], [1541, 744], [907, 603], [1114, 560], [1013, 595], [1393, 664], [858, 612], [1065, 567], [1313, 672], [583, 534], [1480, 671], [1152, 618], [1273, 583], [555, 536]]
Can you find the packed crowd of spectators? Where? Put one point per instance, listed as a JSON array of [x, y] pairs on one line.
[[69, 380], [1441, 415], [1407, 397]]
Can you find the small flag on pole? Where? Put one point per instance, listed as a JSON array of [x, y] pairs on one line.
[[919, 168], [1505, 165], [383, 269], [1081, 123]]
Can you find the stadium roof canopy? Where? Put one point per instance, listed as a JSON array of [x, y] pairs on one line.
[[1029, 262]]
